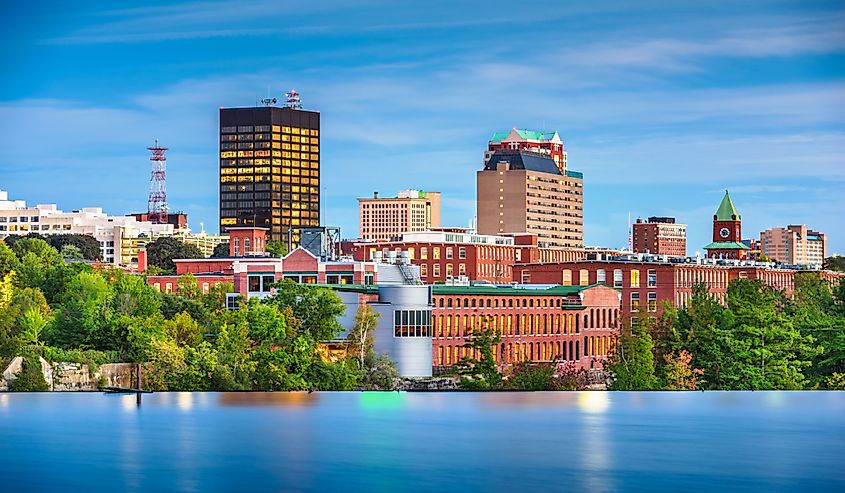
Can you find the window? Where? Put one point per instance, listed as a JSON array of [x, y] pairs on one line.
[[584, 277], [635, 301], [412, 323], [462, 252], [567, 277], [435, 270], [652, 302], [449, 270], [260, 283], [652, 278], [449, 252], [436, 252], [617, 278], [635, 278], [423, 253], [601, 277]]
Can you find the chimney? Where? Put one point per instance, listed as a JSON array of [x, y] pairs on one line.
[[142, 259], [375, 195]]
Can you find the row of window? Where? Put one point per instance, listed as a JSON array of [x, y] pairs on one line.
[[23, 219], [269, 128], [412, 323], [510, 353]]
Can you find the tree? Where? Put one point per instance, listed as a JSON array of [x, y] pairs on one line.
[[835, 262], [631, 363], [8, 260], [679, 374], [82, 321], [533, 376], [479, 371], [315, 309], [32, 323], [220, 250], [188, 287], [360, 337], [71, 252], [30, 378], [87, 245], [163, 250], [276, 248]]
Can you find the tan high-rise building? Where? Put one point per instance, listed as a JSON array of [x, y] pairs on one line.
[[386, 218], [526, 192], [795, 245]]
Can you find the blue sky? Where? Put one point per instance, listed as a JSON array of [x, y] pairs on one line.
[[662, 105]]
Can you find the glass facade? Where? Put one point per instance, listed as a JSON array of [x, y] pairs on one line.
[[270, 170]]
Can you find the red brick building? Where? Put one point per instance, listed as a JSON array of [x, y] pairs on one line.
[[660, 236], [568, 323], [451, 253], [727, 233], [648, 282], [252, 272]]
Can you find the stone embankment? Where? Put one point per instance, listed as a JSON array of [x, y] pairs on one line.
[[63, 377]]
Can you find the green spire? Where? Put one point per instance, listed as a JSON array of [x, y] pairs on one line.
[[726, 209]]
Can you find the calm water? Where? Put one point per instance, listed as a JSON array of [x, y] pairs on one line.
[[429, 442]]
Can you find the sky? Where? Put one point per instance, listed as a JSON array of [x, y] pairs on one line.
[[662, 105]]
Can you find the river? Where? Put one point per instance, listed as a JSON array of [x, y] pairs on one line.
[[423, 442]]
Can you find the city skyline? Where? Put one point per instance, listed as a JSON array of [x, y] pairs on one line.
[[660, 112]]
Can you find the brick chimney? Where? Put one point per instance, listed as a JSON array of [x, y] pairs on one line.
[[142, 259]]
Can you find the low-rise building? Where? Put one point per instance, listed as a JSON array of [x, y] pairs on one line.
[[46, 219]]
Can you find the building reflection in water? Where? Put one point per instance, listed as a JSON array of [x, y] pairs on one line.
[[596, 453], [293, 399]]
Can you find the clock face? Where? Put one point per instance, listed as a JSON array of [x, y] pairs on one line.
[[724, 232]]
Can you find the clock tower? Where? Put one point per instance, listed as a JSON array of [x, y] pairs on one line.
[[727, 232]]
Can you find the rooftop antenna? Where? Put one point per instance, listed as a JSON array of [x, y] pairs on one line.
[[292, 100], [630, 234]]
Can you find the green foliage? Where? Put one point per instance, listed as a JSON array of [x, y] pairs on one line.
[[631, 364], [90, 357], [220, 250], [164, 249], [71, 252], [276, 248], [679, 374], [315, 309], [361, 334], [480, 373], [8, 260], [82, 321], [87, 246], [533, 376], [30, 378], [340, 375], [836, 262]]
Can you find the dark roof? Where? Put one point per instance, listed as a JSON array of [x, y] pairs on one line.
[[530, 161]]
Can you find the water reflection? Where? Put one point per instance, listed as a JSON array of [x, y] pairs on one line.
[[593, 402], [268, 398]]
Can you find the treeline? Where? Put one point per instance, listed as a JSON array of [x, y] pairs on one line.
[[759, 339], [186, 340]]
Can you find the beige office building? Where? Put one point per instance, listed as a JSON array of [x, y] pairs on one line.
[[794, 245], [386, 218], [525, 192]]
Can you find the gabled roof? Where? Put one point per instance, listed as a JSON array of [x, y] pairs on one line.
[[727, 211], [529, 161]]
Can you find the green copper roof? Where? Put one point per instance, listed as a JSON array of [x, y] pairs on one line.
[[727, 211], [525, 134], [470, 290], [726, 245]]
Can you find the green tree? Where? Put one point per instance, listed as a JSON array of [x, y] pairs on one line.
[[30, 378], [71, 252], [276, 248], [835, 262], [220, 250], [361, 335], [87, 245], [8, 260], [533, 376], [316, 309], [480, 373], [83, 318], [163, 250], [631, 363], [188, 287]]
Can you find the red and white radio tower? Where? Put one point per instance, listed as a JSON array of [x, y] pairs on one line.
[[157, 204]]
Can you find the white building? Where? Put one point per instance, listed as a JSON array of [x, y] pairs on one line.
[[45, 219]]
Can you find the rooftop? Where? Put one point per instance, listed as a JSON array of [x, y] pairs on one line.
[[727, 211], [524, 160]]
